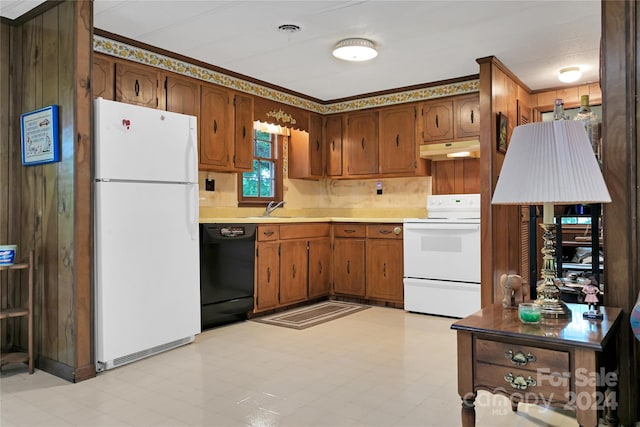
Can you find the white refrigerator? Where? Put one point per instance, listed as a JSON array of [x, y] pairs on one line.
[[146, 259]]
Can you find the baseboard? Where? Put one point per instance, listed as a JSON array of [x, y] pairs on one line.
[[64, 371]]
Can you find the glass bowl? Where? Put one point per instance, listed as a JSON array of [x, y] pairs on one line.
[[529, 313]]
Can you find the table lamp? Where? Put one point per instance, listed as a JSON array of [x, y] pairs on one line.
[[550, 163]]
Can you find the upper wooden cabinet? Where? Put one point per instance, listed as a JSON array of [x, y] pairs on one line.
[[305, 151], [137, 84], [437, 120], [103, 77], [333, 143], [361, 145], [183, 95], [446, 119], [398, 139], [243, 131], [467, 116], [216, 125]]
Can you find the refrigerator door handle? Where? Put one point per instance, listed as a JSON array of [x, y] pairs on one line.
[[193, 218], [192, 155]]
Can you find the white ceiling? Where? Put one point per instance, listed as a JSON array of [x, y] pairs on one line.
[[418, 41]]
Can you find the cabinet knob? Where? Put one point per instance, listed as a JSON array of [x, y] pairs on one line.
[[397, 140], [397, 230], [362, 143], [215, 126], [136, 87], [437, 121]]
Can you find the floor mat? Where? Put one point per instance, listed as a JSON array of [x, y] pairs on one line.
[[312, 315]]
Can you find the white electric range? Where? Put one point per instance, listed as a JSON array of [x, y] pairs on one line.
[[442, 257]]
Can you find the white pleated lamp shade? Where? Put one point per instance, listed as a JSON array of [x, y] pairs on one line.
[[550, 162]]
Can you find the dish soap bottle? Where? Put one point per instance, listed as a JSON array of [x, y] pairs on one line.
[[590, 121]]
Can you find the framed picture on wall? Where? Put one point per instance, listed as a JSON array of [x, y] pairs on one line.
[[502, 125], [40, 137]]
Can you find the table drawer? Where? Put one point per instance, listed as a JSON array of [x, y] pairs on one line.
[[349, 230], [267, 233], [515, 356], [516, 381]]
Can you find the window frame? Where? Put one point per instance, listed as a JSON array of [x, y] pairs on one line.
[[245, 201]]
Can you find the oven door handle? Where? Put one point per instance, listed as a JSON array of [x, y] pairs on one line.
[[440, 226]]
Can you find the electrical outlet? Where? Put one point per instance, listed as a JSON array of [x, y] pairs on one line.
[[209, 184], [378, 188]]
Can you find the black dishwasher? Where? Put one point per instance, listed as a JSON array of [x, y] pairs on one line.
[[227, 259]]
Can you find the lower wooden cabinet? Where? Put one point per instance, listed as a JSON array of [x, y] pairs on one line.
[[367, 261], [384, 270], [293, 271], [319, 267], [292, 264], [349, 266], [267, 276]]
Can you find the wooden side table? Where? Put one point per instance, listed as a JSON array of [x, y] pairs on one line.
[[565, 363]]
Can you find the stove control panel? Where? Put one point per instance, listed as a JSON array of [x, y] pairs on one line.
[[453, 206]]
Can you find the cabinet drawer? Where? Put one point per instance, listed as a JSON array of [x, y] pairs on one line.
[[302, 231], [349, 230], [552, 387], [384, 231], [524, 357], [267, 233]]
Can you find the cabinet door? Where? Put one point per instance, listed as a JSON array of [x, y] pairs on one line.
[[362, 143], [397, 140], [315, 146], [243, 125], [467, 116], [103, 77], [267, 281], [183, 95], [319, 272], [215, 129], [384, 269], [137, 84], [348, 267], [333, 141], [305, 155], [437, 121], [293, 271]]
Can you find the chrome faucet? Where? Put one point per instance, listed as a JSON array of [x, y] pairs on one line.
[[271, 207]]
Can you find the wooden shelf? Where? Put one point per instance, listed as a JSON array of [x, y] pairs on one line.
[[10, 312]]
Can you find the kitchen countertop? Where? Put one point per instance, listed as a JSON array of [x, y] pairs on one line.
[[286, 220]]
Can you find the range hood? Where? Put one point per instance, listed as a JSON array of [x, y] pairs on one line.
[[451, 150]]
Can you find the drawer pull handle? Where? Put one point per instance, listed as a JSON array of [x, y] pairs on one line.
[[385, 231], [268, 233], [519, 382], [519, 358], [349, 230]]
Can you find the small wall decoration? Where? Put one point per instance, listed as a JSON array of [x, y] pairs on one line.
[[503, 122], [40, 137]]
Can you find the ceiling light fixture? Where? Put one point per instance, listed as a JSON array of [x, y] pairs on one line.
[[569, 74], [355, 50]]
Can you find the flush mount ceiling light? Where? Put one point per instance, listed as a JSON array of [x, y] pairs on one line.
[[355, 50], [569, 74]]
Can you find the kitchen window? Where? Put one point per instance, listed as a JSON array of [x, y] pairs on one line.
[[264, 183]]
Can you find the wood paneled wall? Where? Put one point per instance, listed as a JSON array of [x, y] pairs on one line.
[[48, 207], [500, 92], [621, 157]]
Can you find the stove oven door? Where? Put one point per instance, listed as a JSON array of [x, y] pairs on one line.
[[442, 251]]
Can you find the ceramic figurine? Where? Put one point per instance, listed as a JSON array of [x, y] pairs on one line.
[[514, 289], [591, 298]]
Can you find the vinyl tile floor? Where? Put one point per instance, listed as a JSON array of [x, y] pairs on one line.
[[377, 367]]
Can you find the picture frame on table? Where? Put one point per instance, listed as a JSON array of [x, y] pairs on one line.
[[502, 126], [40, 138]]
